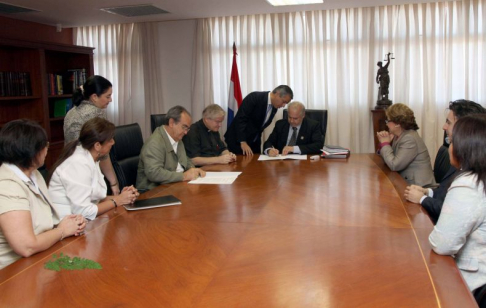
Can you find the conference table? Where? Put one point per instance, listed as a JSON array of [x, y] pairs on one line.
[[289, 233]]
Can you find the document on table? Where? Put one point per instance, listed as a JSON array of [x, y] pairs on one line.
[[217, 178], [281, 157]]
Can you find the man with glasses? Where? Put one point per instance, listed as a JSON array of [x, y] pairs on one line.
[[257, 110], [163, 158], [432, 199], [203, 143]]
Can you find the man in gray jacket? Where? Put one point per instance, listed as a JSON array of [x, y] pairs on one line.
[[163, 158]]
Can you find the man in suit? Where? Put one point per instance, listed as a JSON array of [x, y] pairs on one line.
[[254, 115], [297, 134], [432, 199], [163, 158]]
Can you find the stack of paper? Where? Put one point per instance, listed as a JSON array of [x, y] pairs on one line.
[[217, 178], [280, 157], [333, 151]]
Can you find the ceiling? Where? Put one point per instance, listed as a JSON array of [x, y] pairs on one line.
[[75, 13]]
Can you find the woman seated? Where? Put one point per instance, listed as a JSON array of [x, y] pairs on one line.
[[26, 217], [76, 183], [402, 148], [461, 228]]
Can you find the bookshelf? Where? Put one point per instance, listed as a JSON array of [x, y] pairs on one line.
[[35, 61]]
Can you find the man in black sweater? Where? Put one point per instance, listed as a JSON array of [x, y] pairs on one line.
[[432, 199]]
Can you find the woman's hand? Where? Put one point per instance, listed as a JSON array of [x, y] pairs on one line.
[[128, 195], [384, 136], [72, 225]]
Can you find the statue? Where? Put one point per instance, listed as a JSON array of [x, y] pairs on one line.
[[383, 79]]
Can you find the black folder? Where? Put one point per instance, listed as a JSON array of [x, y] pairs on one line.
[[153, 202]]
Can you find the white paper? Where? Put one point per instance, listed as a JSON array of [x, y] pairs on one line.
[[217, 178], [281, 157]]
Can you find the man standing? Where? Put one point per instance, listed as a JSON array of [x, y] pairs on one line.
[[163, 158], [432, 199], [297, 134], [255, 114], [203, 143]]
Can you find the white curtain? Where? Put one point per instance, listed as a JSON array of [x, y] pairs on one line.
[[118, 57], [329, 60]]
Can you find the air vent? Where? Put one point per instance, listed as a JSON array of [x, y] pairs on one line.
[[12, 9], [135, 10]]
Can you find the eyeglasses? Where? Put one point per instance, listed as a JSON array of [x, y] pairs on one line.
[[185, 128]]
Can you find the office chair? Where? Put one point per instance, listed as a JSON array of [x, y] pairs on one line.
[[319, 115], [442, 163], [156, 120], [480, 296], [125, 153]]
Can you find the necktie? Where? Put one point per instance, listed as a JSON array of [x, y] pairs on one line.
[[293, 138], [267, 115]]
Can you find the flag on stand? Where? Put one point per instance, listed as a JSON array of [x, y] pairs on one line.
[[234, 99]]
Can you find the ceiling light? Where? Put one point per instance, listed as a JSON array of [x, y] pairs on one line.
[[293, 2]]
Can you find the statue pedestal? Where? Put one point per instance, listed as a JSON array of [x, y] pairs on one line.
[[383, 104], [378, 117]]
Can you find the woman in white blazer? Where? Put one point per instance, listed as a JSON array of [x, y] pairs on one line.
[[402, 148], [76, 184], [461, 228]]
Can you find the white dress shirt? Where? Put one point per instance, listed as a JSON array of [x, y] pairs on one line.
[[175, 144], [77, 185]]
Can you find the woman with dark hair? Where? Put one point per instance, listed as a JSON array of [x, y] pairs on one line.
[[26, 217], [461, 228], [402, 148], [90, 101], [76, 184]]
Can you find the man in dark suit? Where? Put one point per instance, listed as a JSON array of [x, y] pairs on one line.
[[432, 199], [255, 114], [297, 134]]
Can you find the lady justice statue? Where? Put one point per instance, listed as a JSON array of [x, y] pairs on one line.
[[383, 79]]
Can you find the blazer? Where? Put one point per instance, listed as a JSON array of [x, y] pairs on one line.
[[158, 161], [409, 156], [461, 229], [309, 140], [248, 123], [433, 205]]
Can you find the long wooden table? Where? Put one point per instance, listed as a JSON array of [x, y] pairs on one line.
[[328, 233]]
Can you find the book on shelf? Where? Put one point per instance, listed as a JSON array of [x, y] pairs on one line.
[[334, 151], [62, 106], [15, 84]]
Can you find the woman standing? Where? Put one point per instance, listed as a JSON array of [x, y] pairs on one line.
[[402, 148], [461, 228], [26, 217], [90, 101], [76, 184]]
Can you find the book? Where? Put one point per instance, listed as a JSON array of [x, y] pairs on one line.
[[153, 202], [334, 151], [60, 108]]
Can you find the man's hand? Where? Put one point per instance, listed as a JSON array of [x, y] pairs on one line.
[[273, 152], [287, 150], [226, 158], [193, 174], [246, 149], [414, 193]]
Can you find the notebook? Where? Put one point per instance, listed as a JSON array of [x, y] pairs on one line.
[[153, 202]]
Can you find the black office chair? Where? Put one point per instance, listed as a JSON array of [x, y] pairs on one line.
[[442, 163], [125, 153], [480, 296], [319, 115], [156, 120]]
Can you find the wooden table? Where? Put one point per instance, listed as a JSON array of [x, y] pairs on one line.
[[330, 233]]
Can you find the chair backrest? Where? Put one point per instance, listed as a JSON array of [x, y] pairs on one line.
[[319, 115], [156, 120], [125, 153], [480, 296], [442, 163]]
